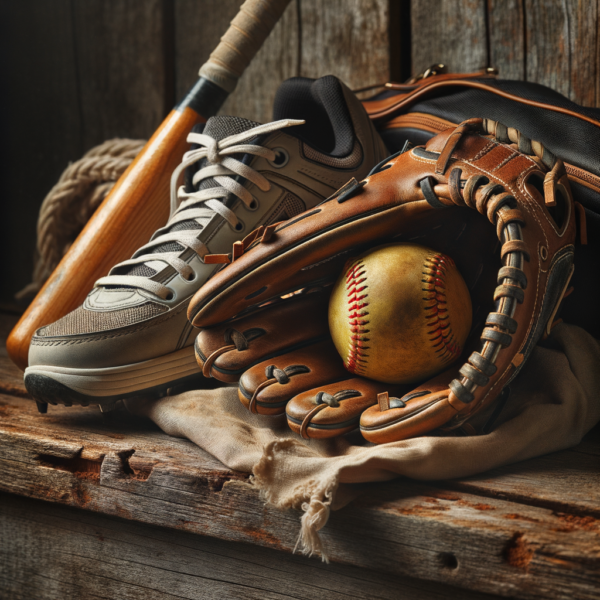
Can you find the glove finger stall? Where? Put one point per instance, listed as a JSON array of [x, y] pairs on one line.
[[334, 409], [267, 387], [226, 351]]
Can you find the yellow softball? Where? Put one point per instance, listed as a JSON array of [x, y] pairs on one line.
[[400, 313]]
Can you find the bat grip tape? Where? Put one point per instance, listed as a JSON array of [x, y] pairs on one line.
[[244, 38]]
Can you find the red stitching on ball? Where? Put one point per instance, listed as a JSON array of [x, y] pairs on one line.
[[356, 313], [439, 328]]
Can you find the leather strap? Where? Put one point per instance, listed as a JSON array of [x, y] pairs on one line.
[[308, 418], [513, 273], [514, 246], [210, 361], [492, 335], [474, 375], [483, 364], [503, 321], [383, 400]]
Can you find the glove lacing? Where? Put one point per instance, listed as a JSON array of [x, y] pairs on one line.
[[275, 375], [500, 207]]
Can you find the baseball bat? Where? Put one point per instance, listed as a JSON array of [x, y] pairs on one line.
[[139, 202]]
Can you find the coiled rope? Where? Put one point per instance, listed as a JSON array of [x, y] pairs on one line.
[[71, 202]]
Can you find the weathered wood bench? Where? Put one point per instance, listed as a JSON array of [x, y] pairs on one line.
[[107, 506]]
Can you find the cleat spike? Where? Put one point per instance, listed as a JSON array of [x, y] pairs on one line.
[[42, 407]]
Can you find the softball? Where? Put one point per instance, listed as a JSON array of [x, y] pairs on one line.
[[400, 313]]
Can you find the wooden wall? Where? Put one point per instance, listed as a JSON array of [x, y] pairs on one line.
[[77, 72], [552, 42]]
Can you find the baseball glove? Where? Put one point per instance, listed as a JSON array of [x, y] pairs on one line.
[[437, 100], [495, 201]]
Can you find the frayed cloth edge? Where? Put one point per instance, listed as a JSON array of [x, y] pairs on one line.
[[313, 498]]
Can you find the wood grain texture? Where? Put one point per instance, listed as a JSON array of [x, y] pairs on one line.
[[346, 38], [125, 467], [198, 28], [548, 481], [506, 37], [40, 122], [46, 549], [452, 33], [562, 47], [121, 65], [276, 61], [313, 38], [77, 73]]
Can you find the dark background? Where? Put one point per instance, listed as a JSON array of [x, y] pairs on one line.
[[75, 73]]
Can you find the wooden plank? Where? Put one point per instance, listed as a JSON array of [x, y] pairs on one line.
[[127, 468], [79, 73], [506, 37], [565, 482], [122, 72], [41, 124], [452, 33], [562, 47], [50, 551], [198, 28], [346, 38], [276, 61]]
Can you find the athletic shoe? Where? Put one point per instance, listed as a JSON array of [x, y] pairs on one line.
[[131, 336]]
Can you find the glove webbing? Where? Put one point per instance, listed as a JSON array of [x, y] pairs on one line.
[[500, 207]]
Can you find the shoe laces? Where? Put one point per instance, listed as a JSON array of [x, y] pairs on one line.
[[200, 205]]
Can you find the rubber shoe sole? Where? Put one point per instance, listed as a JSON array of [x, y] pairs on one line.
[[68, 386]]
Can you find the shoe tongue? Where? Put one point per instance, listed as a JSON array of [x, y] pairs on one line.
[[217, 128], [223, 126]]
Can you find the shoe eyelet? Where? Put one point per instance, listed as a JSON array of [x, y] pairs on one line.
[[253, 206], [281, 158], [191, 278], [239, 227], [170, 296]]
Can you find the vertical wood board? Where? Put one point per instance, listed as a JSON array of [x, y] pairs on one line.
[[562, 47], [76, 73], [276, 61], [346, 38], [506, 37], [120, 49], [40, 123], [452, 33], [198, 28]]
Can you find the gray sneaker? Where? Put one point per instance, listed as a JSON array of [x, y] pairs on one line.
[[131, 336]]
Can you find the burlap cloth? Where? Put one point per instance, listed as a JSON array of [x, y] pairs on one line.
[[552, 404]]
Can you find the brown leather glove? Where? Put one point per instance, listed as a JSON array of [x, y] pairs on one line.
[[498, 203]]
